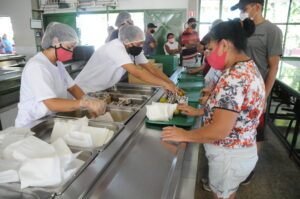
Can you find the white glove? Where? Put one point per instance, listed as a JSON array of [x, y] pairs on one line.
[[96, 106]]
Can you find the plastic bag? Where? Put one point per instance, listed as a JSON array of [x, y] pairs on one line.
[[9, 171]]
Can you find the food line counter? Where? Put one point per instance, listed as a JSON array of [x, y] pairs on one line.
[[136, 164]]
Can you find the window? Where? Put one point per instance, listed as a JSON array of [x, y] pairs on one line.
[[295, 12], [227, 13], [209, 6], [6, 28], [93, 27], [292, 45], [283, 13], [275, 7]]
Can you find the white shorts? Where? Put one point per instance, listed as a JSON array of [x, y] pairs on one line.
[[229, 167]]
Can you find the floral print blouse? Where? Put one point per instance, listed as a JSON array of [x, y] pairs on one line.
[[240, 89]]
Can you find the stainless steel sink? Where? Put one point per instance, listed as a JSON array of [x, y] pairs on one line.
[[133, 89], [121, 99], [118, 114]]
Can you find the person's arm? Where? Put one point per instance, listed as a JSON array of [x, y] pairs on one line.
[[146, 76], [96, 107], [192, 71], [171, 52], [76, 91], [271, 75], [222, 124], [190, 111], [178, 49], [156, 72], [62, 105], [152, 44]]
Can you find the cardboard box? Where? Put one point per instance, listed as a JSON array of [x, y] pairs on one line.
[[134, 80]]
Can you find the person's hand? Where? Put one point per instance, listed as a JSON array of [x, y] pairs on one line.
[[192, 71], [97, 107], [188, 110], [171, 88], [203, 100], [181, 92], [206, 91], [170, 133]]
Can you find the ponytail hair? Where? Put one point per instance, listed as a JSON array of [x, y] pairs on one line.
[[235, 30]]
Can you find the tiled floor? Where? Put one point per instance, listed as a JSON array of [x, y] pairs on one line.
[[276, 175]]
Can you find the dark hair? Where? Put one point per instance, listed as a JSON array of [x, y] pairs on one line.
[[191, 20], [235, 30], [169, 35]]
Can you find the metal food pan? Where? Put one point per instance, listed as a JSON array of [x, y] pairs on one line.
[[115, 99], [138, 89], [43, 131], [121, 115]]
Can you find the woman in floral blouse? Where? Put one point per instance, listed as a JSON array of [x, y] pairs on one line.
[[232, 111]]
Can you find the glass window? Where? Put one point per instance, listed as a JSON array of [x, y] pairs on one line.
[[209, 10], [99, 34], [6, 28], [292, 45], [86, 23], [203, 30], [277, 11], [288, 69], [295, 12], [227, 13]]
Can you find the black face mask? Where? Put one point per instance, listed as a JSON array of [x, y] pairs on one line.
[[194, 26], [152, 31], [134, 50]]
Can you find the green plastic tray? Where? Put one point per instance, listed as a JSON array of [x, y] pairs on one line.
[[191, 86], [190, 78], [194, 96], [178, 120]]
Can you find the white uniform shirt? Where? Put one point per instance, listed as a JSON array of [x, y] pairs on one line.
[[172, 46], [104, 69], [40, 80]]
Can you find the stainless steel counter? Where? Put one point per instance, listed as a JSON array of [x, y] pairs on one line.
[[136, 164]]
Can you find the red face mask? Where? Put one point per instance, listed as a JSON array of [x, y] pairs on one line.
[[63, 54], [216, 61]]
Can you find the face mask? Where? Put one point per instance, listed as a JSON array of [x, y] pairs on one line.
[[216, 61], [63, 54], [171, 40], [194, 26], [244, 15], [134, 50], [152, 31]]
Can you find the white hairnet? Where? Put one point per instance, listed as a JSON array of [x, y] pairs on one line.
[[62, 32], [122, 18], [130, 34]]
